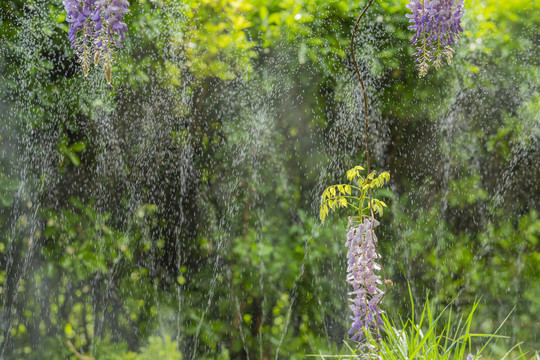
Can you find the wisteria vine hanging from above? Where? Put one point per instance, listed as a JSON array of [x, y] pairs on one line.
[[96, 29], [364, 268], [437, 24]]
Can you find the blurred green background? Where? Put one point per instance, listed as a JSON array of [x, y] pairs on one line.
[[175, 212]]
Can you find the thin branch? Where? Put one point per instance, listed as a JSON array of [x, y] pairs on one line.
[[362, 81], [76, 353]]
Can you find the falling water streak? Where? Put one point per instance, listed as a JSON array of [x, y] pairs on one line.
[[532, 134], [240, 316], [519, 152], [294, 291], [517, 287], [34, 245], [447, 130], [250, 153], [109, 137], [261, 282], [108, 295], [325, 327], [34, 242], [179, 294], [177, 13], [149, 138], [266, 129], [7, 316], [213, 283], [31, 13], [261, 129], [110, 143]]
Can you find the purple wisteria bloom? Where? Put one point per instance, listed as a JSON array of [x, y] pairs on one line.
[[362, 267], [113, 14], [78, 15], [102, 28], [109, 31], [437, 24]]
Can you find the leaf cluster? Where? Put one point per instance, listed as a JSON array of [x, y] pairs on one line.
[[341, 195]]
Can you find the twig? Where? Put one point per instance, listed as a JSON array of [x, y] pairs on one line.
[[76, 353]]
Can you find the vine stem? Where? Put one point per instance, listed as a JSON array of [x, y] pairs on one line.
[[362, 84], [366, 126]]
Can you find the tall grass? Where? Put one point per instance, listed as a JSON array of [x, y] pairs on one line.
[[431, 337]]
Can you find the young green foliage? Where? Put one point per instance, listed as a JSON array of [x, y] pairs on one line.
[[355, 195]]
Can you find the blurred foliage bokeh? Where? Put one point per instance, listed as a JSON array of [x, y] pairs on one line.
[[175, 212]]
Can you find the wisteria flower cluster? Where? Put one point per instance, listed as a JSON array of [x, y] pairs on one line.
[[362, 266], [363, 260], [437, 24], [96, 29]]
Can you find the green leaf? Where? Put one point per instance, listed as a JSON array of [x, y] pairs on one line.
[[274, 18], [74, 158], [78, 146], [263, 12], [326, 194]]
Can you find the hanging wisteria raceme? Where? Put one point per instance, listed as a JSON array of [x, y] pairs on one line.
[[361, 274], [437, 24], [78, 15], [96, 29], [363, 260]]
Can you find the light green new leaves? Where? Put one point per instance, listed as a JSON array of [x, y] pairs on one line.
[[378, 206], [341, 195], [354, 172]]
